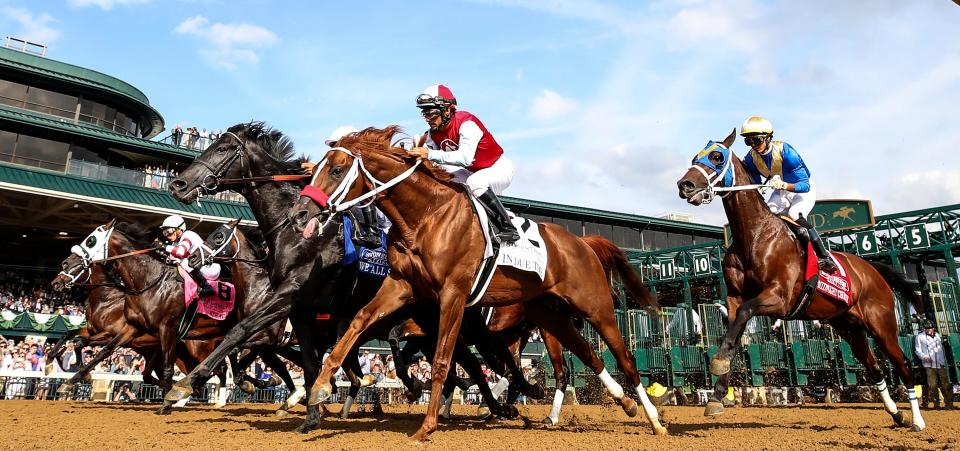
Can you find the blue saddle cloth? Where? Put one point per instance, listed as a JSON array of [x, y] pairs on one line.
[[372, 261]]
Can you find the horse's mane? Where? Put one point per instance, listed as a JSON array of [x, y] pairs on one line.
[[380, 140], [278, 146], [136, 233]]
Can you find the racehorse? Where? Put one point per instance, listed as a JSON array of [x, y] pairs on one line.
[[764, 273], [154, 295], [107, 326], [308, 278], [436, 249]]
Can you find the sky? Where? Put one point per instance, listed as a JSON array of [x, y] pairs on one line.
[[599, 104]]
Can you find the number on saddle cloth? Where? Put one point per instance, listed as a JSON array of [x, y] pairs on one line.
[[371, 261]]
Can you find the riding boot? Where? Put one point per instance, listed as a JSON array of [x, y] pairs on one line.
[[507, 233], [823, 257], [369, 229], [203, 286]]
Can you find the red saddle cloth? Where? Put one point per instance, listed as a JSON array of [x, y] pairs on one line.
[[217, 306], [833, 285]]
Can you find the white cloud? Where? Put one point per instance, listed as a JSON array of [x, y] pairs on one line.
[[228, 45], [105, 5], [34, 28], [550, 105]]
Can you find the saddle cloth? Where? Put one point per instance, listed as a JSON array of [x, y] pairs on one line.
[[372, 261], [833, 285], [529, 253], [217, 306]]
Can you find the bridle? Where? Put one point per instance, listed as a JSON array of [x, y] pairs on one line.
[[336, 202], [725, 175], [214, 179]]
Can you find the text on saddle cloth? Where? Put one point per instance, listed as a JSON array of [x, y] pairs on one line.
[[529, 253], [217, 306], [372, 261], [833, 285]]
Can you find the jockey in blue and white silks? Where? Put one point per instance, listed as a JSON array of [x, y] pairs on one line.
[[794, 193]]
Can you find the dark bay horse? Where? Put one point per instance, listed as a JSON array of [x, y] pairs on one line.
[[764, 273], [436, 248], [107, 326]]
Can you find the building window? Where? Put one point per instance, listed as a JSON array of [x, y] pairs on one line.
[[51, 102], [41, 153], [12, 93], [7, 142]]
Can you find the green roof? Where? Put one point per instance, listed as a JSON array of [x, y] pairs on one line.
[[32, 119], [84, 79], [520, 206], [44, 182]]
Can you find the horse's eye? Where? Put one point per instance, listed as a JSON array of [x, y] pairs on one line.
[[90, 242], [716, 157], [336, 171]]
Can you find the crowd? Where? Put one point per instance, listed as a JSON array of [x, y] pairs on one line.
[[158, 177], [191, 138], [21, 293]]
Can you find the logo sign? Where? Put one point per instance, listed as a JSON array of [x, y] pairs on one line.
[[916, 236], [841, 214], [867, 243], [667, 270], [701, 264]]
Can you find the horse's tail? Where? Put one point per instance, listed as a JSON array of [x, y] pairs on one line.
[[613, 261], [900, 284]]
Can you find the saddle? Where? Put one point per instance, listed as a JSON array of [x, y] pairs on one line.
[[834, 286]]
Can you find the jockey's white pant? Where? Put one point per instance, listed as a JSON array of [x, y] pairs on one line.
[[783, 202], [497, 177], [209, 272]]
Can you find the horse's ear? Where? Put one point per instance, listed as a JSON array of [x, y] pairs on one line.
[[233, 223], [110, 223], [730, 139], [420, 140]]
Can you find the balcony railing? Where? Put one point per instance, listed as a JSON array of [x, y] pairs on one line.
[[132, 177]]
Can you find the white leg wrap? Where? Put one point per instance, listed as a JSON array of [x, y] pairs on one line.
[[502, 385], [918, 423], [648, 406], [612, 386], [555, 409], [182, 402], [295, 397], [885, 395], [222, 397]]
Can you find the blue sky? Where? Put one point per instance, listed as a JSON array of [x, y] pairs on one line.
[[599, 104]]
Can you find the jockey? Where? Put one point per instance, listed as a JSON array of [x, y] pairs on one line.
[[459, 142], [182, 243], [369, 227], [794, 194]]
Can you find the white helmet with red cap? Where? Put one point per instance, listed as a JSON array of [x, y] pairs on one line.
[[437, 96]]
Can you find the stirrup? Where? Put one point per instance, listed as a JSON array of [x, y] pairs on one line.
[[826, 265], [508, 236]]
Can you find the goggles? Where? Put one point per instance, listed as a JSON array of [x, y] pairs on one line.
[[754, 140]]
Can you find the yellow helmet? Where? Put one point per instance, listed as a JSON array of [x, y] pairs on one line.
[[755, 125]]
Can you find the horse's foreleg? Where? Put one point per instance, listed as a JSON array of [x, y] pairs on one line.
[[83, 372], [168, 349], [57, 350], [400, 361], [353, 371], [451, 316], [394, 294], [304, 326]]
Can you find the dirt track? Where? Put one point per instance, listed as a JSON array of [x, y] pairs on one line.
[[87, 425]]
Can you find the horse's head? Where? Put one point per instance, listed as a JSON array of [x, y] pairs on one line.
[[244, 150], [711, 167], [74, 270], [338, 174]]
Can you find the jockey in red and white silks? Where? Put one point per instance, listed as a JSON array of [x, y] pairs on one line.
[[462, 145]]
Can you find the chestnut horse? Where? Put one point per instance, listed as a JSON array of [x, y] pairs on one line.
[[436, 249], [764, 273]]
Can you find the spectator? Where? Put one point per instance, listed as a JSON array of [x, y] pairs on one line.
[[177, 135], [929, 349]]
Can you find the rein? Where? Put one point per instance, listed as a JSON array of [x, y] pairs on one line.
[[265, 178], [117, 257]]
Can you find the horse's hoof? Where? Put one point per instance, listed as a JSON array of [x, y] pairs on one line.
[[164, 409], [629, 406], [274, 381], [899, 419], [281, 413], [421, 436], [713, 409], [88, 378], [344, 414], [660, 430], [412, 397], [65, 389], [248, 388], [719, 367], [307, 427], [550, 421], [368, 380], [510, 412], [178, 392], [916, 428], [319, 394], [47, 369]]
